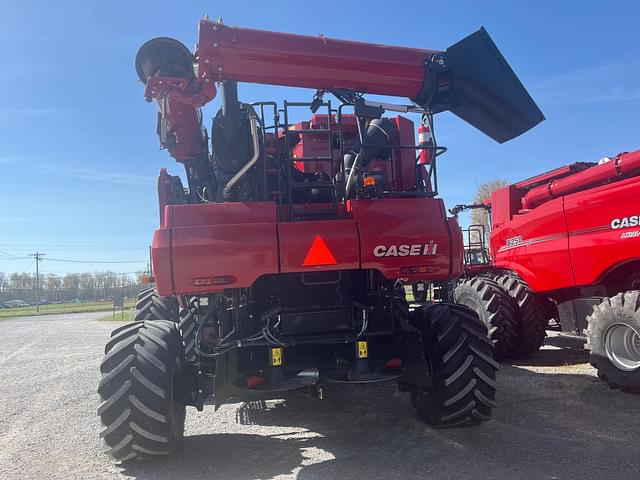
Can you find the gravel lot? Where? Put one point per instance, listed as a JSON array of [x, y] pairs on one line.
[[555, 421]]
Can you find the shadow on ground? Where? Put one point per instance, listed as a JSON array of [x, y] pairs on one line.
[[551, 424], [564, 351]]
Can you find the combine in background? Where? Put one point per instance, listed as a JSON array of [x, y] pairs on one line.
[[566, 245]]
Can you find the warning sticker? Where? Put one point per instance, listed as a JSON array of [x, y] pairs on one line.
[[363, 349], [276, 357]]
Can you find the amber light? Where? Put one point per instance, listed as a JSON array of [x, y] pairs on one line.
[[203, 281], [369, 181], [417, 269]]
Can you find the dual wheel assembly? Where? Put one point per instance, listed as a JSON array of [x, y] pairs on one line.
[[515, 318], [144, 390]]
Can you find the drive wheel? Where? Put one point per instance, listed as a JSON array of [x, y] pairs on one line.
[[495, 308], [151, 306], [139, 388], [532, 315], [613, 338], [460, 359]]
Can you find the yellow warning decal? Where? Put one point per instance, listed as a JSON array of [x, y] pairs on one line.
[[363, 349], [276, 357]]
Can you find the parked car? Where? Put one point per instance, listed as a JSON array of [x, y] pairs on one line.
[[15, 303]]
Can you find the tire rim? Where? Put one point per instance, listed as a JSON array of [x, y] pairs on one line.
[[622, 345]]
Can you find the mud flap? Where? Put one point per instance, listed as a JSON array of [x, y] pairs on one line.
[[414, 361], [226, 367]]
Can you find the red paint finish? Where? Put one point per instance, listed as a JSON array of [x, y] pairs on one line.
[[403, 165], [297, 238], [397, 222], [220, 240], [594, 245], [239, 242], [258, 56], [623, 164], [220, 214], [535, 246], [554, 174], [576, 239], [161, 258], [179, 101]]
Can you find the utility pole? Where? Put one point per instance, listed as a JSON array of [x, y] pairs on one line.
[[37, 256]]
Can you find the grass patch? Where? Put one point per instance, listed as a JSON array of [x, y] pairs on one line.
[[62, 308]]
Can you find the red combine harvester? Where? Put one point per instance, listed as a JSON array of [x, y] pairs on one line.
[[281, 265], [565, 245]]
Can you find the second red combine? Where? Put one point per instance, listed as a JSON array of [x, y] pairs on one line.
[[564, 245]]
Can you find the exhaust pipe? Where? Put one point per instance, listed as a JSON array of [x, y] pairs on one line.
[[226, 193]]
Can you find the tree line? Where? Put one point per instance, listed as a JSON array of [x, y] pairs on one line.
[[87, 286]]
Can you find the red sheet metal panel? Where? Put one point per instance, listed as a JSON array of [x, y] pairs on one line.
[[401, 234], [297, 239]]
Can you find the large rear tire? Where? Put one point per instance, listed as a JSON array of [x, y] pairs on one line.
[[613, 338], [532, 315], [140, 378], [460, 359], [495, 308], [151, 306]]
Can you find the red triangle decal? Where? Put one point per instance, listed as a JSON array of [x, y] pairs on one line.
[[319, 254]]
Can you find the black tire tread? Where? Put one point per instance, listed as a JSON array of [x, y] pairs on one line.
[[499, 312], [136, 389], [188, 325], [151, 306], [462, 364], [532, 315]]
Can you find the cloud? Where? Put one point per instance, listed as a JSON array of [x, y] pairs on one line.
[[96, 175], [603, 83]]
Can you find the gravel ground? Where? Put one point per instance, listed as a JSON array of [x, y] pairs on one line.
[[555, 421]]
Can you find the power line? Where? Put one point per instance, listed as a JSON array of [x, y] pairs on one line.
[[67, 260], [72, 246], [8, 256], [48, 272]]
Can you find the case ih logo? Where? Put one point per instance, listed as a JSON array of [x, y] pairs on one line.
[[415, 250], [625, 222]]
